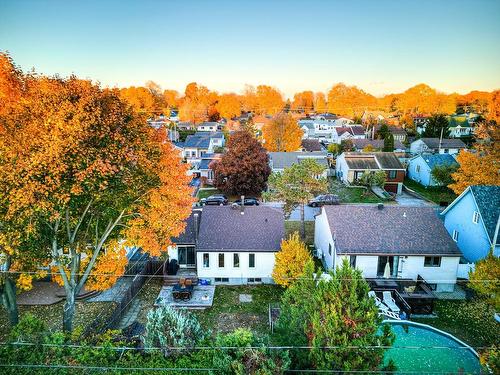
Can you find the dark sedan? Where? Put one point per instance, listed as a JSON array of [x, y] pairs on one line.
[[214, 200], [324, 199], [248, 202]]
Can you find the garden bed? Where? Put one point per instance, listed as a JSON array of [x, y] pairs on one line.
[[350, 194]]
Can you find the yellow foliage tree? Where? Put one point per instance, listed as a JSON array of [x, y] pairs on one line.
[[282, 133], [290, 260], [269, 100], [228, 106], [480, 166]]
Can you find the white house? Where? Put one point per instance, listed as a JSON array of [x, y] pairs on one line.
[[420, 167], [350, 166], [229, 245], [443, 146], [208, 126], [278, 161], [238, 245], [201, 143], [351, 132], [412, 240], [323, 130]]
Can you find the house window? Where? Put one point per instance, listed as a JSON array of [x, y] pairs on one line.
[[455, 236], [475, 217], [432, 262], [393, 174], [206, 260], [252, 280], [417, 168], [221, 280], [352, 261], [236, 260], [392, 261], [330, 249], [251, 260], [221, 260]]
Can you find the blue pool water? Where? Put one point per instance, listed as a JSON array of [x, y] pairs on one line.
[[422, 349]]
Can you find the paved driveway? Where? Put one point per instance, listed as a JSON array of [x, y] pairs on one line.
[[405, 199], [309, 212]]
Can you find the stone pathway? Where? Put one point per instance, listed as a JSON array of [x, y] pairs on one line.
[[116, 292], [131, 314], [245, 298]]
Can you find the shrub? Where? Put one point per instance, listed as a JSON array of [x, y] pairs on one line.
[[167, 328]]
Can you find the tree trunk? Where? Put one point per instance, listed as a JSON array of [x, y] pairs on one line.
[[302, 222], [10, 302], [69, 311]]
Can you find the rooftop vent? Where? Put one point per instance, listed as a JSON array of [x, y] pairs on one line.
[[380, 206]]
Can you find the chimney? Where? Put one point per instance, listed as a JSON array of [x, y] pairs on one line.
[[242, 205], [380, 206], [196, 219]]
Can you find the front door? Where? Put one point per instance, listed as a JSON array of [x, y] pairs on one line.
[[393, 265], [187, 256]]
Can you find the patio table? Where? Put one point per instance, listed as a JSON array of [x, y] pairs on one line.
[[182, 292], [385, 283]]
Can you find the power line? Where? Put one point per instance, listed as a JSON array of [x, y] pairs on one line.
[[281, 347], [240, 277]]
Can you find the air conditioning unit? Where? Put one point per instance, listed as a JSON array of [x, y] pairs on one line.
[[318, 253]]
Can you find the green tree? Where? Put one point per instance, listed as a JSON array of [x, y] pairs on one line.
[[383, 132], [388, 143], [441, 173], [296, 185], [167, 327], [369, 179], [335, 312], [437, 123], [335, 148], [485, 279]]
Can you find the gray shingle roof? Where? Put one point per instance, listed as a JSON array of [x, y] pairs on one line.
[[282, 160], [311, 145], [223, 228], [445, 143], [197, 141], [188, 236], [398, 230], [488, 202], [439, 159]]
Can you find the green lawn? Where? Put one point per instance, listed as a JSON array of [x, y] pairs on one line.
[[228, 314], [204, 193], [436, 194], [351, 194], [471, 321], [294, 226]]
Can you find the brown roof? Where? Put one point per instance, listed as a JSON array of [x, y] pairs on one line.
[[398, 230], [311, 145], [361, 162], [376, 143]]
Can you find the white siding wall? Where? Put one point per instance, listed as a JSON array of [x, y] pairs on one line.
[[323, 237], [264, 265], [341, 168], [410, 267]]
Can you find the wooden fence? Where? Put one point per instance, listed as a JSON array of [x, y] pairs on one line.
[[148, 269]]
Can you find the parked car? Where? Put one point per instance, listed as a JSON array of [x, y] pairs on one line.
[[248, 202], [324, 199], [214, 200]]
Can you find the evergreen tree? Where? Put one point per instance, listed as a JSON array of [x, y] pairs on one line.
[[389, 143], [334, 313], [435, 125]]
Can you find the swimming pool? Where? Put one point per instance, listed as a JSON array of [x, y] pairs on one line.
[[423, 349]]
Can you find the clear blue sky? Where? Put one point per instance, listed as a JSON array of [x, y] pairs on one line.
[[381, 46]]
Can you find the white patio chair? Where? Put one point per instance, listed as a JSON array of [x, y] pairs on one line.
[[389, 301], [380, 305]]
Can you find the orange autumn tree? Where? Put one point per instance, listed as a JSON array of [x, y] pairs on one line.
[[303, 101], [349, 100], [228, 106], [269, 100], [290, 260], [282, 133], [481, 165], [92, 172]]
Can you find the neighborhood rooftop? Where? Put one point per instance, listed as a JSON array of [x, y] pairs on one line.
[[446, 143], [398, 230], [375, 160], [259, 228], [433, 160], [280, 160], [376, 143]]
